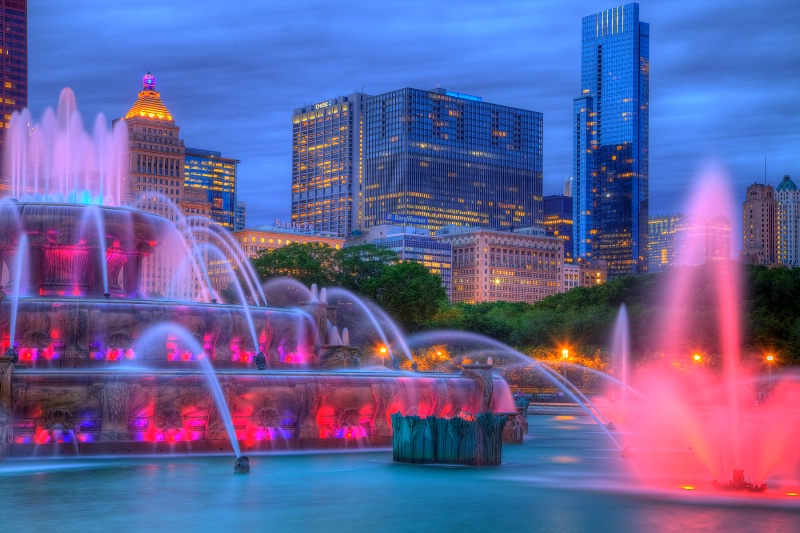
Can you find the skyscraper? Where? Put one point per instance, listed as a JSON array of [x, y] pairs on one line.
[[788, 240], [759, 218], [208, 171], [241, 216], [437, 158], [699, 241], [156, 153], [610, 141], [327, 155], [14, 62], [558, 221], [155, 183], [661, 241]]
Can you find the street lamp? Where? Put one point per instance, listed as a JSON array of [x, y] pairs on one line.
[[382, 350], [697, 359], [564, 357], [770, 360]]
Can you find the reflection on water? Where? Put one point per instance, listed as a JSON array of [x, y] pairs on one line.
[[557, 481]]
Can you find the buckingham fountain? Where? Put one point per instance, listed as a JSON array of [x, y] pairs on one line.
[[92, 365]]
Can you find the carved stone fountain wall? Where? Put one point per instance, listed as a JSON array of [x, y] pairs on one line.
[[108, 412]]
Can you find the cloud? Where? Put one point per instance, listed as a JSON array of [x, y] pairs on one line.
[[723, 78]]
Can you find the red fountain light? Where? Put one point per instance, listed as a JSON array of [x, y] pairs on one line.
[[712, 408]]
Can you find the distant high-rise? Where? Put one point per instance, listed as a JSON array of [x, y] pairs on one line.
[[610, 141], [788, 226], [14, 62], [208, 171], [699, 241], [156, 154], [759, 219], [661, 241], [155, 184], [327, 163], [241, 216], [558, 221], [568, 184], [437, 158]]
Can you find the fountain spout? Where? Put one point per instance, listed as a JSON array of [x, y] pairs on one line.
[[738, 483], [627, 453], [242, 465], [11, 354]]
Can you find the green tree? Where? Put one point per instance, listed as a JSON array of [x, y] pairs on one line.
[[306, 262], [357, 264], [408, 292]]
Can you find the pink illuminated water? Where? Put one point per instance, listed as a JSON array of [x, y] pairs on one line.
[[712, 404], [57, 160], [620, 357]]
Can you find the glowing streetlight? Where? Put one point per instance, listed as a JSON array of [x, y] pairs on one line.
[[770, 360], [697, 360], [564, 357], [383, 351]]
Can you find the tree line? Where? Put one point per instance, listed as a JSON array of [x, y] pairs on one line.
[[768, 316], [406, 290]]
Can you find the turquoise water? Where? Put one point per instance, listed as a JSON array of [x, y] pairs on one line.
[[566, 477]]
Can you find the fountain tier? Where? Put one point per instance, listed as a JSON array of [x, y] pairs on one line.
[[73, 249]]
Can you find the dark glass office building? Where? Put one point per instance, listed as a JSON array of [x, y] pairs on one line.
[[558, 221], [14, 62], [216, 175], [610, 141], [436, 158]]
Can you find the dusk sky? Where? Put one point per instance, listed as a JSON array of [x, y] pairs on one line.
[[724, 84]]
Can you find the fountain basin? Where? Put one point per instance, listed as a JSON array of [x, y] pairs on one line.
[[129, 411]]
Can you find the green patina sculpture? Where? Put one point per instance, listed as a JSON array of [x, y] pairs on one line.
[[476, 442]]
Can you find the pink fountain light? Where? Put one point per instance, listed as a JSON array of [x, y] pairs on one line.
[[57, 160], [711, 414]]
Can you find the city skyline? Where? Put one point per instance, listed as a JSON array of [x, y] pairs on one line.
[[722, 80]]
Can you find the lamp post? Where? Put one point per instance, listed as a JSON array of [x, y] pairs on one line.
[[382, 350], [770, 360], [564, 357], [697, 360]]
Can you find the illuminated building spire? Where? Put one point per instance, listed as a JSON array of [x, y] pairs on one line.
[[148, 82], [149, 104]]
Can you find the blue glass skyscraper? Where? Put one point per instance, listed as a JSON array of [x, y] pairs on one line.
[[610, 141], [438, 158], [208, 170]]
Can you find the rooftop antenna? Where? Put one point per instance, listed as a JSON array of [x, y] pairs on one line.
[[765, 170]]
